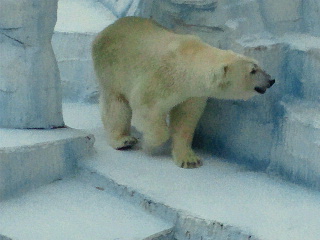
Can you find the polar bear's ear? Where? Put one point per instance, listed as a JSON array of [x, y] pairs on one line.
[[221, 72]]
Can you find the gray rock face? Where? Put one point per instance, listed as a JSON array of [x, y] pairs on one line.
[[30, 91]]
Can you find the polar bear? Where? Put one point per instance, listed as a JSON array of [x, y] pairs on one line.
[[146, 72]]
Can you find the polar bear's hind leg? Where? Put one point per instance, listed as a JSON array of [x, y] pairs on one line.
[[116, 118]]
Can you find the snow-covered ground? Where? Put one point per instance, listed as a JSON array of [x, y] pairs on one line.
[[70, 209], [217, 201]]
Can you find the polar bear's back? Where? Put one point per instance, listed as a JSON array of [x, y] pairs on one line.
[[129, 50], [128, 43]]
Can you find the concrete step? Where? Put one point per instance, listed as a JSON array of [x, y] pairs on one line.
[[31, 158], [217, 201], [70, 209]]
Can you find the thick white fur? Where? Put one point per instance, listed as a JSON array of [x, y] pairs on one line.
[[146, 72]]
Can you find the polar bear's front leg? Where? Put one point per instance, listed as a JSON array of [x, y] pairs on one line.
[[183, 121]]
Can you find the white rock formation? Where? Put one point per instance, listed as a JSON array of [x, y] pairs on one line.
[[30, 91], [78, 23]]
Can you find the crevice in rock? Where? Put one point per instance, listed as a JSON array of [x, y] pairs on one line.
[[14, 39]]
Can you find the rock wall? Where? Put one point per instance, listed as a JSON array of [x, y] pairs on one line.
[[72, 45], [73, 53], [278, 132], [72, 42], [30, 91]]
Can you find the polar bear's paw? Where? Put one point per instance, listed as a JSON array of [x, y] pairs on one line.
[[124, 143], [187, 160]]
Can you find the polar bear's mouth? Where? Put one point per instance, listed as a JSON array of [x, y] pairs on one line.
[[260, 90]]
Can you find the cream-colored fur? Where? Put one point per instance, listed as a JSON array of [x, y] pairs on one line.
[[146, 72]]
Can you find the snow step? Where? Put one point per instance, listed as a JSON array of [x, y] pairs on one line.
[[31, 158], [217, 201], [70, 209]]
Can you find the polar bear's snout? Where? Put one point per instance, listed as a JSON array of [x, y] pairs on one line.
[[264, 81]]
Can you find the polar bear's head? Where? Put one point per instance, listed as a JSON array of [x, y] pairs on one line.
[[242, 78]]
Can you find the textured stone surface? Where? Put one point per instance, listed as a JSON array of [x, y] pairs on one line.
[[276, 17], [72, 43], [73, 53], [30, 91], [311, 9]]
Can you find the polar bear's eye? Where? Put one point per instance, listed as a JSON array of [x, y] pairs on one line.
[[253, 71]]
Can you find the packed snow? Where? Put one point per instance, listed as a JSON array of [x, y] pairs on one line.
[[71, 210]]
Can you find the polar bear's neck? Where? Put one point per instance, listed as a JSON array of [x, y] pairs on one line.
[[201, 67]]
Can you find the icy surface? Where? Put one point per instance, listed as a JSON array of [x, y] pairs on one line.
[[71, 210], [266, 207], [83, 16]]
